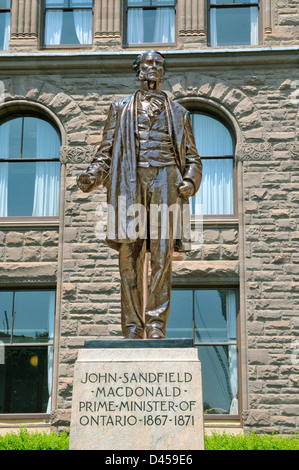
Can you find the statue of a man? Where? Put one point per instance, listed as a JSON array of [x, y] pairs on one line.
[[147, 158]]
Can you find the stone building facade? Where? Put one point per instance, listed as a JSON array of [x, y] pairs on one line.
[[253, 250]]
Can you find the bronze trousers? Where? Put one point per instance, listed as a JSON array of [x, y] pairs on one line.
[[145, 303]]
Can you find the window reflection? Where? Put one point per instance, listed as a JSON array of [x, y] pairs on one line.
[[34, 316], [215, 316], [210, 317], [24, 380], [6, 308], [219, 372], [26, 316], [234, 25], [180, 322]]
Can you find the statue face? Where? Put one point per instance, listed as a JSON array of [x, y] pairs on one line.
[[151, 67]]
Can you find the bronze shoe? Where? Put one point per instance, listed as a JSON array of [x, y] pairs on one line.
[[155, 333]]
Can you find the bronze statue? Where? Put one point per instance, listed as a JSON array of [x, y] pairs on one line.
[[147, 158]]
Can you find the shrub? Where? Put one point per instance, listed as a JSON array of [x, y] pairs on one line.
[[25, 440], [251, 441]]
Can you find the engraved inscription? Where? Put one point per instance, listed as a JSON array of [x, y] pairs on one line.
[[130, 399]]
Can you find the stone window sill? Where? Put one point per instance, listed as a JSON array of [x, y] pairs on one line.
[[28, 222], [216, 221]]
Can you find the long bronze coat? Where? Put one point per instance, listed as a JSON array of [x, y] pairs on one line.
[[115, 164]]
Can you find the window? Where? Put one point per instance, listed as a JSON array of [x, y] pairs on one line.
[[29, 168], [208, 316], [68, 22], [150, 21], [215, 145], [27, 331], [5, 6], [233, 22]]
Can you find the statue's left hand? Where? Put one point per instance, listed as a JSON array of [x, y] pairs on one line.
[[186, 189], [86, 182]]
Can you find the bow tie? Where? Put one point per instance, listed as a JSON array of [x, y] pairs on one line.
[[149, 96], [156, 101]]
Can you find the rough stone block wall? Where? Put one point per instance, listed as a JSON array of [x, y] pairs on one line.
[[272, 243], [285, 23], [28, 258]]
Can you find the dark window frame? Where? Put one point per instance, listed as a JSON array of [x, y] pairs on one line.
[[233, 4], [68, 8], [148, 7], [11, 344], [236, 288]]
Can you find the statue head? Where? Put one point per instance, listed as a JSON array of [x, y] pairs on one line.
[[150, 68]]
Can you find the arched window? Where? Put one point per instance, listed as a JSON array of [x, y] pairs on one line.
[[29, 167], [215, 145]]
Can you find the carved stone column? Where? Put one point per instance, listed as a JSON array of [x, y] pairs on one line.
[[108, 16], [191, 18], [24, 24], [267, 16]]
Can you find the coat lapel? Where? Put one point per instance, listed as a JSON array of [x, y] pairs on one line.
[[176, 128]]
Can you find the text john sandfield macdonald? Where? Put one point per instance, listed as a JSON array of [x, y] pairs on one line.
[[121, 399]]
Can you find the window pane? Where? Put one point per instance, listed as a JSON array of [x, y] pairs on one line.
[[33, 316], [11, 139], [147, 3], [6, 306], [21, 179], [211, 136], [32, 189], [215, 316], [5, 4], [68, 27], [81, 3], [139, 3], [225, 2], [24, 386], [220, 2], [234, 26], [56, 3], [180, 322], [40, 139], [4, 30], [216, 193], [160, 3], [219, 375], [151, 26], [215, 321]]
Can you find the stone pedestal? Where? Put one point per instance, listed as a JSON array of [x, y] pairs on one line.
[[137, 395]]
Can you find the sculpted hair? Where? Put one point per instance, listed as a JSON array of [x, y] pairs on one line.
[[136, 65]]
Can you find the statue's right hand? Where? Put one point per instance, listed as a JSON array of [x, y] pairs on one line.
[[86, 182]]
